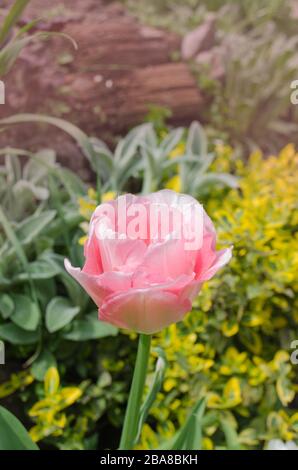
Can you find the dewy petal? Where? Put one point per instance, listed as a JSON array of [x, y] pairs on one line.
[[144, 310], [101, 286]]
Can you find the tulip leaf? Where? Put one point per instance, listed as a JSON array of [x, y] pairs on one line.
[[13, 435], [230, 435], [153, 391], [189, 437]]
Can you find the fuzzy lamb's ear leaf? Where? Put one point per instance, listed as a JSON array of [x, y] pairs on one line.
[[13, 435], [196, 141], [171, 140]]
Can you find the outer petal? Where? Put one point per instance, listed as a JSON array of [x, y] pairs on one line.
[[208, 260], [144, 310], [222, 258], [93, 263], [101, 286]]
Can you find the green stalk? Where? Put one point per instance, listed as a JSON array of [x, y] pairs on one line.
[[12, 17], [130, 426]]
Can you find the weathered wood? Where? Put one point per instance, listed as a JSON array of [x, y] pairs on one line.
[[105, 87]]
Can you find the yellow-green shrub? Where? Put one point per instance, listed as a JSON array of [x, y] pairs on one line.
[[235, 346]]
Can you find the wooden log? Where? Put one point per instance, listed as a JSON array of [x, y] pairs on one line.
[[105, 87]]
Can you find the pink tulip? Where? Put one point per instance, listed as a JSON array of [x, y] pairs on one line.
[[143, 271]]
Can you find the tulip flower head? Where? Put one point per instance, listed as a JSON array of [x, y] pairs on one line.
[[146, 258]]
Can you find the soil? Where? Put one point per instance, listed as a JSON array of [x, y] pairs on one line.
[[105, 87]]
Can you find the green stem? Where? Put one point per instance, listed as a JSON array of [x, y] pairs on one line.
[[130, 426]]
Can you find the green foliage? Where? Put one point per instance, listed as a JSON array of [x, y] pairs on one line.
[[13, 435], [143, 155], [48, 412], [252, 104], [183, 16], [12, 44], [256, 48], [45, 316], [234, 347]]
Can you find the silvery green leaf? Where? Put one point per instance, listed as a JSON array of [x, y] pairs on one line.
[[185, 159], [32, 226], [22, 187], [90, 328], [16, 335], [204, 162], [150, 172], [73, 184], [13, 168], [59, 313], [37, 168], [217, 178], [6, 305], [171, 140], [151, 139], [26, 313], [42, 268], [196, 143], [103, 157], [132, 169], [126, 148]]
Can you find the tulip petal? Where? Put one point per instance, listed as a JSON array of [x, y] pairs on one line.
[[144, 310], [93, 263], [163, 262], [222, 258], [101, 286]]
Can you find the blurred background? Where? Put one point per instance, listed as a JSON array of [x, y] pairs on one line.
[[104, 97]]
